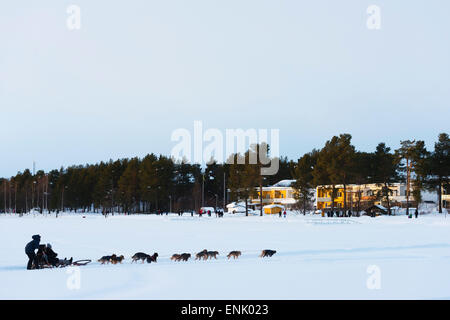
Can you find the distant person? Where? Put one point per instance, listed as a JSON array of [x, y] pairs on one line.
[[416, 213], [284, 213], [349, 213], [29, 250], [192, 213], [279, 214]]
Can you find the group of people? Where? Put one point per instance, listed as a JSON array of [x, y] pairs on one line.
[[282, 213], [218, 213], [331, 214], [416, 214], [45, 256]]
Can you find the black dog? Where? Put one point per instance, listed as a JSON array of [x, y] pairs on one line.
[[267, 253], [152, 258]]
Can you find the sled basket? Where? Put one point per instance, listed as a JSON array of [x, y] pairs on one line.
[[81, 262]]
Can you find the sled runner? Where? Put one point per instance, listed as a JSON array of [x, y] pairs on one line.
[[63, 263], [81, 262]]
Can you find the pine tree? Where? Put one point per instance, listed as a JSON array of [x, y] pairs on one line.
[[386, 167], [335, 164], [129, 186], [435, 170], [303, 174], [414, 155]]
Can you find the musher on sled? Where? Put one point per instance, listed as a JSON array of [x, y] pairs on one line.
[[45, 256]]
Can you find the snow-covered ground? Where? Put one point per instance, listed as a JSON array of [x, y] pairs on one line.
[[317, 258]]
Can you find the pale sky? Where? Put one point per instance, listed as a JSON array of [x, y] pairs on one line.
[[138, 70]]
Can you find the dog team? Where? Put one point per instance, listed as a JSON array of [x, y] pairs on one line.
[[202, 255]]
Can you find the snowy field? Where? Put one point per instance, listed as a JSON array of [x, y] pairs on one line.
[[317, 258]]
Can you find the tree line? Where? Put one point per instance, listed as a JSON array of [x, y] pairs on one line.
[[159, 183], [148, 185], [339, 163]]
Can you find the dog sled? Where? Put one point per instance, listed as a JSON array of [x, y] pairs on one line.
[[47, 258], [62, 263]]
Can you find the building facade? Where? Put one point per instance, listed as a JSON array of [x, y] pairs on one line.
[[280, 193], [445, 198], [360, 196]]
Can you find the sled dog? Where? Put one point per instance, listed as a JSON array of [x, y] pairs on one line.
[[175, 257], [107, 259], [152, 258], [211, 254], [202, 255], [234, 254], [267, 253], [119, 259], [184, 257], [139, 256]]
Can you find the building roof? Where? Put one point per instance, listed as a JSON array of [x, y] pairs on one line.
[[235, 204], [377, 207], [284, 183], [274, 206], [364, 185]]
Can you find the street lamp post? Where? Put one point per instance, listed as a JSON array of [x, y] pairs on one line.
[[148, 209], [15, 196], [217, 199], [112, 193], [4, 193], [224, 191], [203, 190], [112, 198], [62, 197], [33, 188]]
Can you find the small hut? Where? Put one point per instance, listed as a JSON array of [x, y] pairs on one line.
[[273, 209], [376, 210]]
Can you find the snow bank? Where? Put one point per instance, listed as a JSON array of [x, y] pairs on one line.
[[317, 258]]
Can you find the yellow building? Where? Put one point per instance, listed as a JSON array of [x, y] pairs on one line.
[[366, 195], [445, 198], [281, 194]]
